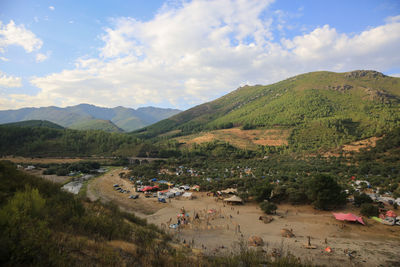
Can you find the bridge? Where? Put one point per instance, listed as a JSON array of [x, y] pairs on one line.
[[132, 160]]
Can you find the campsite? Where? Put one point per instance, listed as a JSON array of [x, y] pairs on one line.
[[215, 226]]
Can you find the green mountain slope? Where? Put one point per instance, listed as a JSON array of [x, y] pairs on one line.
[[322, 109], [96, 124], [33, 123], [126, 119]]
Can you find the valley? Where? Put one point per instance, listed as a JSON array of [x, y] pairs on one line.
[[292, 153]]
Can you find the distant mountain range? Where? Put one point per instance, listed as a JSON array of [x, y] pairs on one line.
[[85, 116]]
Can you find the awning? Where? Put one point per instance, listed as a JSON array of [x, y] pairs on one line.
[[348, 217]]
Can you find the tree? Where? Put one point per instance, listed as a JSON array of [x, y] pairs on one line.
[[368, 209], [360, 199], [268, 207], [261, 192], [325, 193]]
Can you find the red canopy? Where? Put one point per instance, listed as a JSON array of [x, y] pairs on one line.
[[391, 213], [348, 217], [147, 188]]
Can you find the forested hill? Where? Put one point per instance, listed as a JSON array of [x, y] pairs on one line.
[[36, 141], [33, 123], [320, 109], [85, 117]]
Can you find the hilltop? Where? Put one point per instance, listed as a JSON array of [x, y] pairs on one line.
[[314, 110], [85, 116]]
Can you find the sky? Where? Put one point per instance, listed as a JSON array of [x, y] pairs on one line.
[[178, 54]]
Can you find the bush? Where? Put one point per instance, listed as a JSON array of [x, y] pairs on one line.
[[268, 207], [368, 209], [325, 193], [360, 199]]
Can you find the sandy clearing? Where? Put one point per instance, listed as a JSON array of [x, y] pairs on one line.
[[374, 244], [365, 143], [241, 138], [102, 188]]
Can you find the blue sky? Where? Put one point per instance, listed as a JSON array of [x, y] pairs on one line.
[[182, 53]]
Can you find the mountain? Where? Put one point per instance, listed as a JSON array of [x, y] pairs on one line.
[[313, 110], [85, 116], [33, 123]]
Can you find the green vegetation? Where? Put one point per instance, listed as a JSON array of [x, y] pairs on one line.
[[43, 141], [96, 124], [360, 199], [369, 210], [33, 123], [325, 193], [66, 168], [40, 225], [324, 109], [268, 207]]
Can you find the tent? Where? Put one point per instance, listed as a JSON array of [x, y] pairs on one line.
[[187, 194], [229, 191], [147, 188], [348, 217], [391, 213], [196, 187], [234, 199]]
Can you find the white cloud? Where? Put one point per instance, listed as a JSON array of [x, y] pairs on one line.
[[4, 59], [395, 75], [197, 51], [12, 34], [42, 57], [52, 8], [9, 81]]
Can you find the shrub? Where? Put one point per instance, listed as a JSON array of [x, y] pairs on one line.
[[368, 209], [325, 193], [268, 207], [360, 199]]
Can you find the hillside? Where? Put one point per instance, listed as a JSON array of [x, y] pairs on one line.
[[41, 225], [33, 123], [97, 124], [320, 109], [86, 116]]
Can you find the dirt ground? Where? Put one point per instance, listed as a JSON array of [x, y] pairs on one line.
[[372, 245], [102, 188], [241, 138]]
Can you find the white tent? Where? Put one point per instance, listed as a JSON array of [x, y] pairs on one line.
[[234, 199], [187, 195]]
